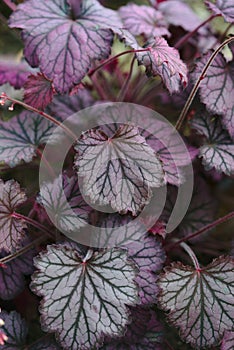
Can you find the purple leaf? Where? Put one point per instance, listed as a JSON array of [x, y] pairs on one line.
[[21, 136], [216, 89], [145, 251], [117, 230], [161, 137], [200, 302], [16, 330], [169, 153], [12, 275], [228, 341], [144, 332], [129, 40], [64, 106], [224, 8], [14, 73], [11, 229], [62, 41], [118, 168], [217, 150], [53, 199], [148, 256], [143, 20], [165, 61], [39, 91], [201, 210], [180, 14], [84, 297]]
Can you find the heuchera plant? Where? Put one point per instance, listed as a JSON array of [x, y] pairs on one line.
[[162, 290]]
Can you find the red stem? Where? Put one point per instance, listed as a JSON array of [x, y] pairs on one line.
[[197, 84], [23, 250], [204, 229], [33, 223], [10, 4], [185, 38], [99, 88], [114, 58], [124, 89]]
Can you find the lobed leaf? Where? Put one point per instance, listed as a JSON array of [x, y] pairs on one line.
[[64, 41], [217, 150], [84, 297], [224, 8], [11, 229], [39, 91], [21, 136], [143, 20], [200, 302], [216, 89], [118, 168], [163, 60]]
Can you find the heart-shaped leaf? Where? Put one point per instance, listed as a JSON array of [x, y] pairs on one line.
[[61, 195], [12, 273], [164, 61], [143, 20], [216, 89], [21, 136], [228, 341], [16, 330], [11, 229], [39, 91], [217, 150], [118, 168], [224, 8], [84, 297], [63, 41], [200, 301], [144, 332]]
